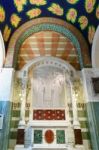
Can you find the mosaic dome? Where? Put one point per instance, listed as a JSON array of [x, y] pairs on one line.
[[84, 15]]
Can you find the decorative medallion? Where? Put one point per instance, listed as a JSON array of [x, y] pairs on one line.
[[49, 136]]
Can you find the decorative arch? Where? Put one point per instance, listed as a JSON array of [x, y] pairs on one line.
[[44, 24], [48, 61]]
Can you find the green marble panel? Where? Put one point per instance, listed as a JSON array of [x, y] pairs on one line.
[[5, 109], [60, 135], [37, 136], [93, 119], [13, 135]]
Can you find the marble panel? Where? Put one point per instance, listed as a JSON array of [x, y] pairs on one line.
[[37, 136], [60, 135]]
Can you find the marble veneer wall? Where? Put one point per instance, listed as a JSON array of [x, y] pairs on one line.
[[6, 76], [92, 100]]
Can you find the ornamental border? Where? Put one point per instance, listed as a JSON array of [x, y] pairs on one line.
[[43, 24]]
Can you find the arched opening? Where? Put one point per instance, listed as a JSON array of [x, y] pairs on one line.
[[51, 81], [34, 26]]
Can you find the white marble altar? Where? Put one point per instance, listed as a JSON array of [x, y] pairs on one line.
[[52, 88]]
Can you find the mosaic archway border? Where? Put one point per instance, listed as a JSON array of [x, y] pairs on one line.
[[51, 24]]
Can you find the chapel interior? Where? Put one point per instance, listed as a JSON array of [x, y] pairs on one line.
[[49, 75]]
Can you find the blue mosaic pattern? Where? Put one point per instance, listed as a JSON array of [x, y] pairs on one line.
[[83, 8]]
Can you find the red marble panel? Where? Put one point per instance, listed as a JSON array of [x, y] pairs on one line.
[[49, 136], [48, 114], [78, 136], [20, 136]]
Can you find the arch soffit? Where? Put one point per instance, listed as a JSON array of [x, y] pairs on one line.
[[41, 24], [49, 61]]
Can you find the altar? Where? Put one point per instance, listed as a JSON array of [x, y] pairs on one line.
[[49, 126]]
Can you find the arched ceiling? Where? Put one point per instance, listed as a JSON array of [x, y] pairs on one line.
[[83, 14], [40, 44]]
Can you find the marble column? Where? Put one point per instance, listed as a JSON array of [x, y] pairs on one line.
[[23, 100], [69, 131], [21, 127], [66, 104], [76, 123], [31, 104]]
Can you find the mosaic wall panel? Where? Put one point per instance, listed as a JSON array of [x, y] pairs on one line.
[[49, 114], [60, 135], [37, 136]]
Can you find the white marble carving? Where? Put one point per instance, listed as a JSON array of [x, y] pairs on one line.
[[52, 88], [87, 75], [48, 87]]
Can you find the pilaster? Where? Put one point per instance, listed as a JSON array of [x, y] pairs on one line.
[[92, 103]]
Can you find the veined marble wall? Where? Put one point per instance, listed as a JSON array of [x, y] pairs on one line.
[[6, 76], [92, 99]]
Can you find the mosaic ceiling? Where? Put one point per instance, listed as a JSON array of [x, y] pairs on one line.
[[83, 14]]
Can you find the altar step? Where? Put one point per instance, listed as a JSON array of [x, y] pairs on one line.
[[49, 149], [39, 148], [21, 147]]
